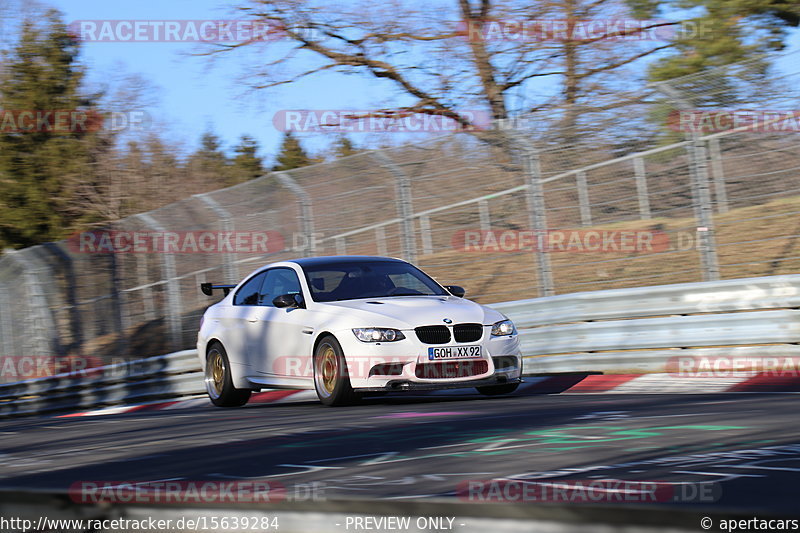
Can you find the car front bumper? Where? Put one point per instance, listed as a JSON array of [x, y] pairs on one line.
[[500, 357]]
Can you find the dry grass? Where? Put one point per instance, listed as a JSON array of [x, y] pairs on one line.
[[761, 240]]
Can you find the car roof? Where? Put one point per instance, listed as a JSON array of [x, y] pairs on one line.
[[337, 259]]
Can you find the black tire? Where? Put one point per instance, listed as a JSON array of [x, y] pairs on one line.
[[497, 390], [331, 379], [219, 384]]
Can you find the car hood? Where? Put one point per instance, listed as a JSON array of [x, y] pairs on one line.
[[408, 312]]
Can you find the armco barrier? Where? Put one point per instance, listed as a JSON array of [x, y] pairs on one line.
[[641, 329], [623, 330], [166, 376]]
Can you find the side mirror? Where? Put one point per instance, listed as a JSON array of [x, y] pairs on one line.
[[455, 290], [288, 300]]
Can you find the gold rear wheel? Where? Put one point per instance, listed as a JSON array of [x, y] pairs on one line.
[[219, 382]]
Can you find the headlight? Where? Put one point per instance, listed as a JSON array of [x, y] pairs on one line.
[[378, 334], [502, 328]]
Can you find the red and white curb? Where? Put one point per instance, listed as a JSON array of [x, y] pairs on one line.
[[554, 384], [274, 396], [661, 383]]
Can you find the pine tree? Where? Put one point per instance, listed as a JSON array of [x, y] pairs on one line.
[[246, 165], [208, 165], [292, 155], [344, 147], [722, 32], [41, 171]]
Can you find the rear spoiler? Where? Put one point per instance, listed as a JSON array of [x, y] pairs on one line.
[[208, 288]]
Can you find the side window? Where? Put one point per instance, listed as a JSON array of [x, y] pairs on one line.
[[278, 281], [248, 293]]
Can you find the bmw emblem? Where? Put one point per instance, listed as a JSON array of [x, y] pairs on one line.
[[448, 321]]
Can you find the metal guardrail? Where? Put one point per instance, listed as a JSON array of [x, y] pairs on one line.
[[163, 377], [748, 294], [622, 330], [641, 329]]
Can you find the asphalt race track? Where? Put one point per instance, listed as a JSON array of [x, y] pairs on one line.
[[744, 448]]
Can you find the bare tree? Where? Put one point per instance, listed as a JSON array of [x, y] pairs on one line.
[[446, 59]]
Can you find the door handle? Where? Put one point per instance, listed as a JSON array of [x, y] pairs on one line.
[[252, 320]]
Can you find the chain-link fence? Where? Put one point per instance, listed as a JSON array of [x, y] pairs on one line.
[[670, 184]]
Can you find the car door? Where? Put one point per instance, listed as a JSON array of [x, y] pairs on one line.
[[238, 323], [280, 338]]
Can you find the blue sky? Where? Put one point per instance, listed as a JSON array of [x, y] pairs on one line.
[[192, 93]]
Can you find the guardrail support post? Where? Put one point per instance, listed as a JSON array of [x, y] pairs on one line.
[[306, 215], [583, 198], [174, 310], [537, 214], [404, 207], [641, 188]]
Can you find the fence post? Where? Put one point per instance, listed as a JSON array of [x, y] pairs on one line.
[[306, 215], [41, 340], [641, 188], [425, 231], [583, 198], [380, 240], [484, 216], [404, 207], [341, 247], [701, 197], [228, 264], [143, 280], [718, 173], [174, 310], [703, 209], [537, 213], [8, 344]]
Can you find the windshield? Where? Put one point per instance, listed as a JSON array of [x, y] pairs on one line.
[[375, 279]]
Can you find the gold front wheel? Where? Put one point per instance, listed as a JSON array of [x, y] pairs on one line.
[[331, 379]]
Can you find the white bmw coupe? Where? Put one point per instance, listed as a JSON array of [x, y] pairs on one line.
[[351, 325]]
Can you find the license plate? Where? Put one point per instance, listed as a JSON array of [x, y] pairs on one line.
[[454, 352]]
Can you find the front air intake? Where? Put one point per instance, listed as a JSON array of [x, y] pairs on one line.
[[467, 332], [433, 334]]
